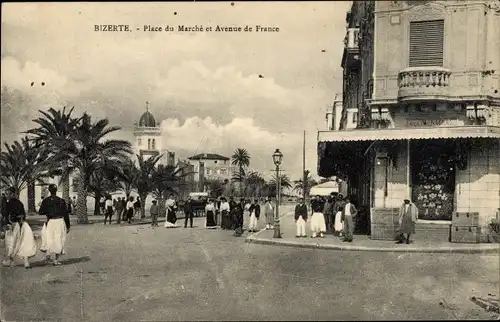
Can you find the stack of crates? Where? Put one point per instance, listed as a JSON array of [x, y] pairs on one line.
[[465, 228]]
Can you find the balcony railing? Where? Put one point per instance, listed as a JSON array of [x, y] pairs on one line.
[[422, 82], [351, 40]]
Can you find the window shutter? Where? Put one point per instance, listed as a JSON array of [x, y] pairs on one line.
[[426, 43]]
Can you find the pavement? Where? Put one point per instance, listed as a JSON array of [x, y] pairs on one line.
[[420, 244], [135, 272]]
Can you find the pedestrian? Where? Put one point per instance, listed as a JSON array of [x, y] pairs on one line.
[[70, 207], [327, 210], [338, 208], [225, 210], [318, 226], [348, 217], [19, 239], [3, 213], [408, 216], [269, 213], [232, 213], [108, 212], [210, 215], [102, 205], [119, 210], [254, 216], [238, 218], [154, 211], [301, 218], [188, 212], [137, 208], [73, 202], [171, 218], [58, 225], [124, 207], [130, 209]]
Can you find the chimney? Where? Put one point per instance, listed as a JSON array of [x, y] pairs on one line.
[[201, 172]]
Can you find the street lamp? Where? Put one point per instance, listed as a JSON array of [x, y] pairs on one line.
[[277, 159]]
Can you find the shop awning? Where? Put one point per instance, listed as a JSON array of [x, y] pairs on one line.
[[454, 132]]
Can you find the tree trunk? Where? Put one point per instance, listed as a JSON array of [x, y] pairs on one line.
[[97, 204], [143, 204], [65, 190], [31, 198], [81, 203]]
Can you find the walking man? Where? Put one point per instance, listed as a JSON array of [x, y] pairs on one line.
[[301, 218], [188, 212], [348, 216], [408, 215], [269, 213], [238, 218], [58, 224], [119, 210]]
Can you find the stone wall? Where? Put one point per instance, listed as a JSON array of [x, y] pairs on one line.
[[478, 186]]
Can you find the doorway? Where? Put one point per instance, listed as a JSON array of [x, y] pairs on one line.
[[433, 178]]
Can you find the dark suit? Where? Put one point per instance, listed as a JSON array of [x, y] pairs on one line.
[[188, 213]]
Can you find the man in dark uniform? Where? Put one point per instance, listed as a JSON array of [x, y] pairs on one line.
[[238, 218], [232, 212], [188, 212]]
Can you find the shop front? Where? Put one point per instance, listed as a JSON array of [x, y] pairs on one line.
[[443, 170]]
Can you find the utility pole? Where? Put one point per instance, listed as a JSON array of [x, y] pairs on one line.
[[304, 174]]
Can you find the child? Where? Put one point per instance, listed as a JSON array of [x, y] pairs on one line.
[[154, 214]]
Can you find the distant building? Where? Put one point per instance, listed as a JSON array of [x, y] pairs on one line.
[[149, 139], [334, 115], [212, 166]]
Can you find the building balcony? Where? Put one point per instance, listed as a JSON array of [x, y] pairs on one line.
[[423, 83], [351, 40]]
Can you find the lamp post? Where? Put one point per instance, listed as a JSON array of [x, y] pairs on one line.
[[277, 159]]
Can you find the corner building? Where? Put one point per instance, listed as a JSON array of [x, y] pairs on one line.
[[421, 108]]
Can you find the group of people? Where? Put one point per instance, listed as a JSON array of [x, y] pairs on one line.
[[228, 214], [19, 238], [337, 214], [334, 213]]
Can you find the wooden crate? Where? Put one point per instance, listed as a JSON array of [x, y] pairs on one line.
[[465, 234], [465, 219], [384, 216], [383, 232]]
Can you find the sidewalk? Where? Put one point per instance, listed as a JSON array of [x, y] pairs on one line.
[[363, 242]]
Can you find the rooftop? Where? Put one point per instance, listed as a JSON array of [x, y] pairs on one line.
[[208, 156]]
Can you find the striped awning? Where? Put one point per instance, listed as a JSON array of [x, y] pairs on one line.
[[454, 132]]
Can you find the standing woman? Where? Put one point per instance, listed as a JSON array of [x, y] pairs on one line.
[[225, 209], [269, 212], [171, 206], [254, 216], [130, 209], [238, 218], [19, 239], [318, 225], [58, 224], [338, 207], [210, 215]]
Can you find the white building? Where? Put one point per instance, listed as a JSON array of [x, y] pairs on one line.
[[213, 166], [148, 139]]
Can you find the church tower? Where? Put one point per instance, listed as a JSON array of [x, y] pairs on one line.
[[147, 135]]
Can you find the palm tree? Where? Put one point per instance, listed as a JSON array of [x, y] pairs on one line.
[[299, 187], [53, 126], [87, 149], [255, 183], [127, 177], [284, 183], [103, 181], [241, 159], [142, 182], [22, 165], [166, 179]]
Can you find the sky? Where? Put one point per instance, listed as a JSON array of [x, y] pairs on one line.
[[211, 92]]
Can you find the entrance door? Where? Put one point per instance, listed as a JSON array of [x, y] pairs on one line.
[[433, 179]]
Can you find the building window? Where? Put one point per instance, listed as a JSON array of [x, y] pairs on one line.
[[426, 43], [225, 161], [139, 141], [209, 171], [223, 171], [153, 145], [149, 144]]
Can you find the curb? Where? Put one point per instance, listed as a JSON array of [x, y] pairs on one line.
[[486, 249], [483, 249]]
